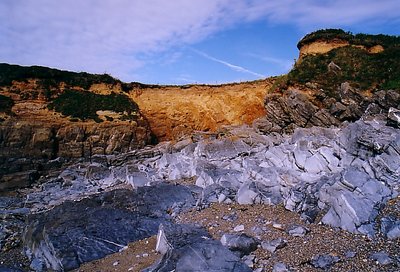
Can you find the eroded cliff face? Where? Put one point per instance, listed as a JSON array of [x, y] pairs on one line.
[[34, 139], [323, 47], [176, 111]]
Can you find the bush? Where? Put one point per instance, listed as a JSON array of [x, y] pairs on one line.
[[358, 67], [49, 78], [6, 103], [84, 105], [359, 39]]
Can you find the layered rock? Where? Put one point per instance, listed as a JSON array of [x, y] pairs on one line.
[[306, 107], [35, 139]]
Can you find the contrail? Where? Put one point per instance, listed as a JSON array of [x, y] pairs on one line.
[[230, 65]]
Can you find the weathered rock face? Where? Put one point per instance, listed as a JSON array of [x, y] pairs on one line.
[[306, 108], [348, 173], [322, 47], [80, 231], [177, 111], [32, 137]]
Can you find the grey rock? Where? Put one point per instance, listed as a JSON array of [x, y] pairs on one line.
[[249, 260], [238, 228], [298, 231], [80, 231], [191, 249], [394, 117], [37, 265], [390, 227], [350, 254], [324, 262], [382, 258], [280, 267], [273, 245], [241, 243]]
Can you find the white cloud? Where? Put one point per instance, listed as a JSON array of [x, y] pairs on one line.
[[116, 36]]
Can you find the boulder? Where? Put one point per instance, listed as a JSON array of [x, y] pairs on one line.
[[189, 248], [241, 243]]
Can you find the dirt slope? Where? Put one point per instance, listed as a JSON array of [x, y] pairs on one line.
[[173, 111]]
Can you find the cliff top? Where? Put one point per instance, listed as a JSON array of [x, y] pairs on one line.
[[366, 40]]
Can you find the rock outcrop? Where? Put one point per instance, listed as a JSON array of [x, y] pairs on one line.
[[35, 139]]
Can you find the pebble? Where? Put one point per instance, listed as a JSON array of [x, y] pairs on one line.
[[381, 258], [277, 226], [238, 228], [116, 263]]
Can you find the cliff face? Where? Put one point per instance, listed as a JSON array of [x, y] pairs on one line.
[[175, 111], [45, 122], [323, 47], [32, 136]]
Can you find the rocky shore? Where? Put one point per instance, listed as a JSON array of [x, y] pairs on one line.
[[238, 200]]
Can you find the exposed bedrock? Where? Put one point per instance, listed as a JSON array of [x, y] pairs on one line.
[[348, 173]]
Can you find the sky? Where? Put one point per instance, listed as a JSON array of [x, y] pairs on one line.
[[178, 41]]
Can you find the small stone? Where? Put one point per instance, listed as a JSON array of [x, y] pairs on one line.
[[350, 254], [324, 261], [277, 226], [273, 245], [298, 231], [238, 228], [381, 258], [280, 267], [145, 255], [130, 269], [249, 260], [115, 263]]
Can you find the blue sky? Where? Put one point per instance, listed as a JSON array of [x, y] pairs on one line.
[[178, 41]]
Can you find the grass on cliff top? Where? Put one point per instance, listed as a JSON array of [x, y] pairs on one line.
[[84, 105], [358, 39], [361, 69], [50, 77], [6, 103]]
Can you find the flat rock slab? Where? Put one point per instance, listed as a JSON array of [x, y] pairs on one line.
[[190, 248], [78, 232]]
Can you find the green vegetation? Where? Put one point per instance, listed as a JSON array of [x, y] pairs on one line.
[[50, 77], [359, 39], [84, 105], [360, 69], [6, 103]]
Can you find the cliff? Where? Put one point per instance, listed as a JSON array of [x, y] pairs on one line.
[[48, 116], [43, 126], [175, 111], [323, 41]]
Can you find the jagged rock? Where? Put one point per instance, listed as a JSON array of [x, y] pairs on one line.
[[382, 258], [394, 117], [273, 245], [390, 227], [190, 248], [249, 260], [354, 198], [324, 262], [80, 231], [241, 243]]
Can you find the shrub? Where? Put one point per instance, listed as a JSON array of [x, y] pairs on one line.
[[6, 103], [84, 105]]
